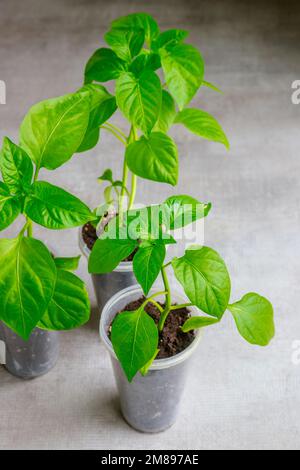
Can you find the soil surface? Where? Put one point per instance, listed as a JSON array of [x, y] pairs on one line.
[[90, 237], [172, 340]]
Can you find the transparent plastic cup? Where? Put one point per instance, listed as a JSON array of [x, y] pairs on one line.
[[149, 404], [32, 358], [107, 285]]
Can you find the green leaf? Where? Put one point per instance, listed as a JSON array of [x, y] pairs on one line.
[[103, 66], [202, 124], [205, 279], [16, 167], [147, 264], [139, 98], [180, 211], [134, 337], [10, 207], [138, 21], [171, 37], [211, 86], [53, 130], [106, 176], [195, 323], [68, 264], [27, 282], [183, 67], [54, 208], [144, 370], [102, 107], [167, 113], [254, 318], [126, 44], [69, 307], [107, 254], [154, 158], [145, 61]]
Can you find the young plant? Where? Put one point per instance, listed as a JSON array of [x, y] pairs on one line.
[[201, 272], [37, 289], [136, 53]]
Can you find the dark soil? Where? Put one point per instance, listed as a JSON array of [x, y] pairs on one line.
[[89, 236], [172, 340]]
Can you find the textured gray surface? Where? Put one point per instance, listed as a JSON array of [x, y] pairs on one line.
[[238, 396]]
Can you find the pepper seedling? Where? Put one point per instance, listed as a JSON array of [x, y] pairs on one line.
[[201, 272], [37, 289], [136, 54]]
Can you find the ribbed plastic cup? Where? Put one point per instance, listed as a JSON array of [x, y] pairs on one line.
[[107, 285], [32, 358], [149, 404]]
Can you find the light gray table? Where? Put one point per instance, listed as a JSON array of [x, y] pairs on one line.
[[238, 396]]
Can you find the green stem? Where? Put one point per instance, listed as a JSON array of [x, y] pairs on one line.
[[36, 173], [177, 307], [108, 129], [23, 230], [133, 191], [133, 137], [156, 305], [123, 190], [150, 299], [29, 228], [167, 309], [117, 129]]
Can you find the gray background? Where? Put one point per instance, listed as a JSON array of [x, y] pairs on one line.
[[238, 396]]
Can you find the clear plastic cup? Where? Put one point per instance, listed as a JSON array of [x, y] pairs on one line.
[[149, 404]]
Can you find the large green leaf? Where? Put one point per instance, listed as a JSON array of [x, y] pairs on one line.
[[167, 113], [10, 207], [54, 208], [53, 130], [183, 67], [138, 21], [69, 307], [202, 124], [16, 167], [154, 158], [67, 264], [205, 279], [103, 66], [139, 98], [171, 37], [147, 264], [195, 323], [182, 210], [126, 44], [144, 61], [102, 107], [134, 338], [27, 282], [108, 253], [254, 318]]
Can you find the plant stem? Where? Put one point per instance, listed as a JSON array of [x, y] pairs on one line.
[[167, 264], [29, 228], [133, 191], [108, 129], [36, 173], [167, 309], [123, 190], [177, 307], [117, 129], [23, 230], [156, 305], [133, 136]]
